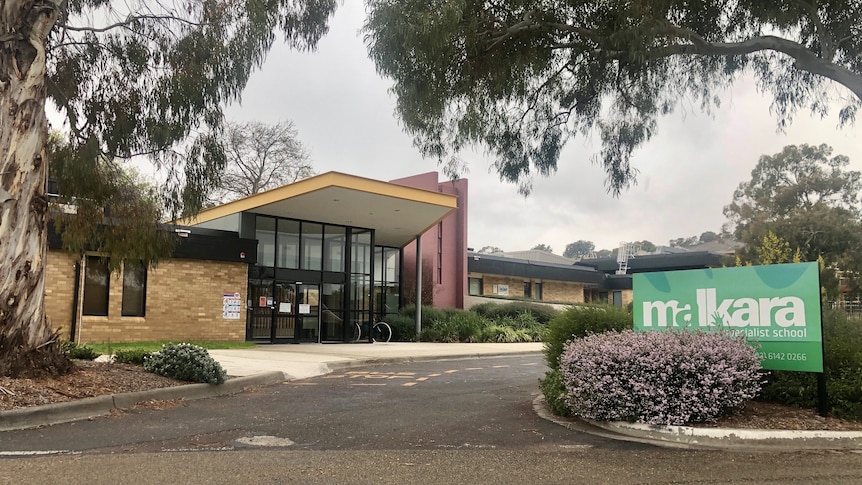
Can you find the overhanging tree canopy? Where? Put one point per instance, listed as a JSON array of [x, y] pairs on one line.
[[523, 77]]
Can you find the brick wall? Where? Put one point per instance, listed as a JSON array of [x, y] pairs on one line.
[[184, 301], [60, 291], [564, 291], [560, 291]]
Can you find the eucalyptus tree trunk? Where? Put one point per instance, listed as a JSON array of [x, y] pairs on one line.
[[27, 344]]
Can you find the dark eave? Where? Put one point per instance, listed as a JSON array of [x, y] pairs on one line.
[[497, 265], [658, 262], [194, 243]]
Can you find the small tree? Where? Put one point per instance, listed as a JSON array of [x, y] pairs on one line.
[[260, 157], [543, 247], [408, 284], [579, 249], [774, 250]]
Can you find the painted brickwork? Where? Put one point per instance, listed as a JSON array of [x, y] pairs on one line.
[[184, 301]]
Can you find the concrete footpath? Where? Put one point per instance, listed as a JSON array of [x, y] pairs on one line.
[[270, 364], [308, 360]]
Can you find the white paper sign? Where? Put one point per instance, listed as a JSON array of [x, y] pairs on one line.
[[284, 307], [231, 305], [304, 309]]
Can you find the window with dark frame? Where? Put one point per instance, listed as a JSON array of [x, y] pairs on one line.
[[96, 279], [537, 293], [134, 290], [527, 289], [474, 286], [440, 252]]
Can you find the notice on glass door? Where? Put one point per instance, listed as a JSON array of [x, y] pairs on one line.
[[284, 307], [304, 309]]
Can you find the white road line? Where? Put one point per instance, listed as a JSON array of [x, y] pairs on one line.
[[38, 452]]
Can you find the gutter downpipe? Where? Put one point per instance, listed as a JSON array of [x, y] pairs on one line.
[[418, 286], [75, 299]]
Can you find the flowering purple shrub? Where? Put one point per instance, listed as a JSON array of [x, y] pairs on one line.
[[659, 377]]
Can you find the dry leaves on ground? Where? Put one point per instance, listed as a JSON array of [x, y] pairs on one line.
[[89, 379]]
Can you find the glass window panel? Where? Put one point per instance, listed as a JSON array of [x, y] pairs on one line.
[[312, 246], [226, 223], [359, 292], [333, 296], [265, 235], [134, 290], [392, 300], [361, 253], [379, 275], [288, 244], [334, 241], [475, 286], [392, 267], [96, 277]]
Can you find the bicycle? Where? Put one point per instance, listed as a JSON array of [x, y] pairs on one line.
[[380, 332]]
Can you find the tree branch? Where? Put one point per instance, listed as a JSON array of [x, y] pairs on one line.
[[129, 20], [827, 49], [805, 59]]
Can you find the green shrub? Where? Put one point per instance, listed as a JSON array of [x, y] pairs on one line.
[[494, 311], [440, 331], [580, 321], [842, 366], [429, 314], [555, 392], [79, 351], [483, 308], [131, 356], [527, 322], [503, 334], [403, 327], [185, 362]]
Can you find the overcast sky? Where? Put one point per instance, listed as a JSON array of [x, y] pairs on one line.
[[688, 172]]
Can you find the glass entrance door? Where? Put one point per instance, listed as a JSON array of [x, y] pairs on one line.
[[283, 309], [282, 312], [308, 312], [259, 325]]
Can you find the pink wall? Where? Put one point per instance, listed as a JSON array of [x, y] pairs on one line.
[[449, 265]]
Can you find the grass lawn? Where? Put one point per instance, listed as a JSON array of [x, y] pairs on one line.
[[111, 347]]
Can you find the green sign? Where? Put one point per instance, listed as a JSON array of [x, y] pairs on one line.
[[777, 307]]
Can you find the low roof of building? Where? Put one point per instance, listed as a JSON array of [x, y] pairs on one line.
[[504, 266], [397, 213], [536, 255], [658, 262]]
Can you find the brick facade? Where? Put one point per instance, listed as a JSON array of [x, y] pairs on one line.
[[556, 291], [60, 291], [184, 301]]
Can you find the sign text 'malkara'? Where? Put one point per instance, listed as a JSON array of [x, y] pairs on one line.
[[784, 311]]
